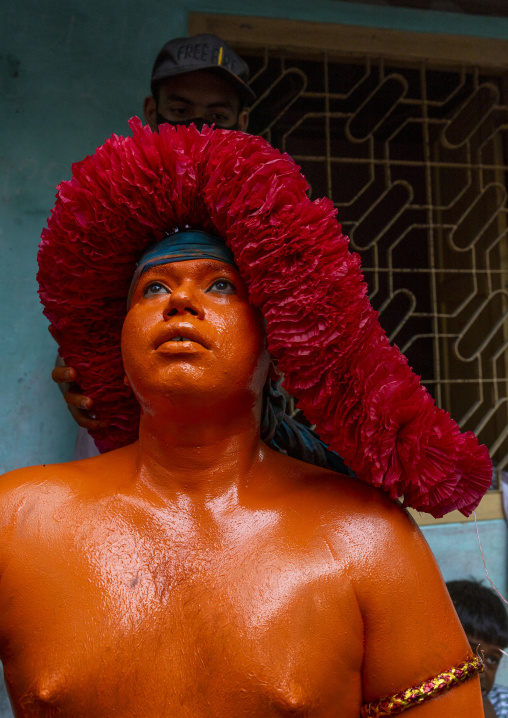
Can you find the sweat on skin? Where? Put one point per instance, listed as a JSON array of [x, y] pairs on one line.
[[198, 572]]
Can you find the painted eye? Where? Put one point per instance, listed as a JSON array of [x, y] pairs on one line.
[[155, 288], [222, 286]]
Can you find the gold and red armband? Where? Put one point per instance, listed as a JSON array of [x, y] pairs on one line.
[[392, 705]]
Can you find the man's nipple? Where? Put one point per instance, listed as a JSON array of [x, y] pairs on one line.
[[49, 689]]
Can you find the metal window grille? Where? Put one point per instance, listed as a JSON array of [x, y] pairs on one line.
[[414, 158]]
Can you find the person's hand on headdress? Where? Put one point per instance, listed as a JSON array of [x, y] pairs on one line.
[[78, 404]]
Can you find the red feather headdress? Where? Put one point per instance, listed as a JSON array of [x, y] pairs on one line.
[[365, 400]]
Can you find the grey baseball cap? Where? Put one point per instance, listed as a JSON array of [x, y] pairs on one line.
[[202, 52]]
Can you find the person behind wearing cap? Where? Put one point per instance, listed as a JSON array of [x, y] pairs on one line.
[[202, 570], [198, 80]]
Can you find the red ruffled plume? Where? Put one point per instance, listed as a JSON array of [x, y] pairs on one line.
[[365, 400]]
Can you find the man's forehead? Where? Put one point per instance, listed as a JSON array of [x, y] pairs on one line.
[[180, 247], [220, 102], [192, 267], [204, 87]]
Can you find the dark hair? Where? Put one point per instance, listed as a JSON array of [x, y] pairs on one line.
[[480, 611]]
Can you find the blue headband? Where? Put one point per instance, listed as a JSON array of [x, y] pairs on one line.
[[178, 247]]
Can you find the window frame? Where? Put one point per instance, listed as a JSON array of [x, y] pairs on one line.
[[400, 46]]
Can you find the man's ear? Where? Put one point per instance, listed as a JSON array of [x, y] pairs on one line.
[[273, 371], [243, 120], [150, 111]]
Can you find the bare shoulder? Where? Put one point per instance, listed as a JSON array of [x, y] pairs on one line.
[[338, 503], [21, 482], [35, 479], [358, 524], [38, 490], [23, 488], [377, 532]]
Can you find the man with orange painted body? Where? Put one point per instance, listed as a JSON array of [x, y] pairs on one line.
[[198, 572]]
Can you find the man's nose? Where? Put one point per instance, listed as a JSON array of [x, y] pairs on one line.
[[183, 300]]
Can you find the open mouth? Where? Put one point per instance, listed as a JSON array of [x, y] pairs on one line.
[[182, 334], [181, 345], [187, 340]]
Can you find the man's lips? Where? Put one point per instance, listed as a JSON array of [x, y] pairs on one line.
[[175, 336]]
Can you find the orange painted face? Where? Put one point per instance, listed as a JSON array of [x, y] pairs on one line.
[[191, 333]]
